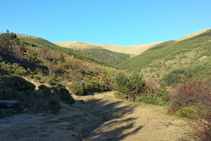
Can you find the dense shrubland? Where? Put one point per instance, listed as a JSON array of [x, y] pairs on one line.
[[43, 100], [44, 62], [134, 88]]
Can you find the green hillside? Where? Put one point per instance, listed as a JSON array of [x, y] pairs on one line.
[[190, 54], [105, 56], [102, 56], [58, 69]]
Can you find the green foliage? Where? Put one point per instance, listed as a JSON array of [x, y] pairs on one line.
[[42, 43], [121, 79], [78, 90], [65, 96], [82, 71], [168, 51], [105, 57], [7, 69], [173, 77], [119, 95], [95, 85], [162, 92], [186, 112], [124, 90], [16, 83], [61, 58]]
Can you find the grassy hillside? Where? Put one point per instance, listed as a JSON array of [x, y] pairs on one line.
[[131, 50], [189, 54], [58, 69], [105, 56], [99, 55]]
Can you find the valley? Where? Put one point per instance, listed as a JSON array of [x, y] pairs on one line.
[[82, 91]]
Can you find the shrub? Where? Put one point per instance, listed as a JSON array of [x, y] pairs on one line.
[[162, 92], [82, 71], [65, 96], [195, 94], [16, 83], [121, 79], [54, 104], [186, 112], [119, 95], [78, 90], [38, 77], [42, 87], [95, 85], [124, 90]]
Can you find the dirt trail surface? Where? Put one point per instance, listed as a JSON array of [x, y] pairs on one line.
[[97, 117], [129, 121]]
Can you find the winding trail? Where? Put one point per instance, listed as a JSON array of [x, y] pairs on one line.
[[129, 121]]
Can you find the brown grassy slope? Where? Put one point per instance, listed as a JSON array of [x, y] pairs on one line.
[[134, 50], [192, 35]]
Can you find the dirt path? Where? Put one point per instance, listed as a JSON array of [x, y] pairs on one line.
[[129, 121], [95, 117]]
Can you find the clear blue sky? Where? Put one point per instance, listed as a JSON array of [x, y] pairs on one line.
[[123, 22]]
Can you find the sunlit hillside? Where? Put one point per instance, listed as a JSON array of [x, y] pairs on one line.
[[131, 50]]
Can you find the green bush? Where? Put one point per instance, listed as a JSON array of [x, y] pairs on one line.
[[42, 87], [121, 79], [186, 112], [95, 85], [78, 90], [16, 83], [54, 104], [124, 90], [38, 77], [65, 96], [119, 95]]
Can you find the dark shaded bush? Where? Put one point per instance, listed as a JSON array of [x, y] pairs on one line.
[[95, 85], [16, 83], [54, 104], [65, 96]]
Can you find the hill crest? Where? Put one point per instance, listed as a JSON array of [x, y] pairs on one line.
[[132, 50]]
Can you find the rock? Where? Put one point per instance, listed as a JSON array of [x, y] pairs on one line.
[[8, 104]]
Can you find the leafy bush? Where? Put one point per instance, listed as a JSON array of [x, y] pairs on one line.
[[95, 85], [54, 104], [78, 90], [65, 96], [42, 87], [16, 83], [121, 79], [124, 90], [186, 112], [119, 95]]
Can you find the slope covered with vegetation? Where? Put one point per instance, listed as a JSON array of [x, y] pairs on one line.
[[100, 55], [174, 59], [58, 69]]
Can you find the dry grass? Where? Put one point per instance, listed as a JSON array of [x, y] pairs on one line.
[[192, 35], [132, 50], [25, 36]]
